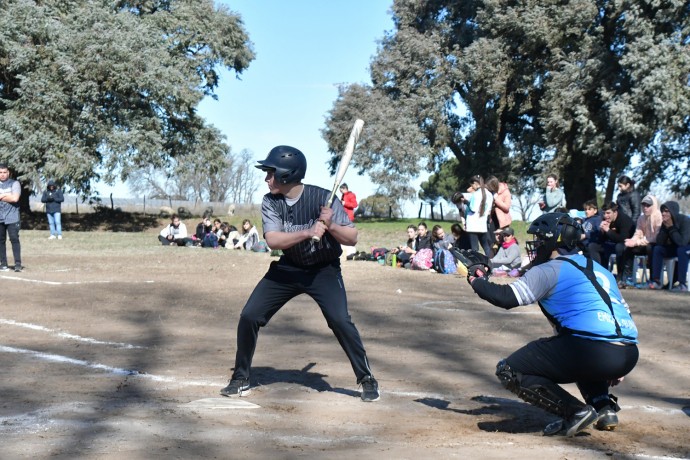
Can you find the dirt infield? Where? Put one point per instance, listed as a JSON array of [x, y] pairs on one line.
[[117, 351]]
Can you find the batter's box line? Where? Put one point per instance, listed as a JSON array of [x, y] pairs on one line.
[[103, 367], [66, 335], [69, 283]]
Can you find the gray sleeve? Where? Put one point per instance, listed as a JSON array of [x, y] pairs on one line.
[[536, 283], [271, 219]]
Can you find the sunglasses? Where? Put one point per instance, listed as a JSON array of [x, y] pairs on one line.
[[646, 205]]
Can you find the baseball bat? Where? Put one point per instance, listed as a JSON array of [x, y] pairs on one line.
[[344, 162]]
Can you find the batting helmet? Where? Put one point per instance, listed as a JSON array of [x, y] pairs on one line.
[[288, 163], [552, 231]]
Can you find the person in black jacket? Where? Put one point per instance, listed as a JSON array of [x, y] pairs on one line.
[[628, 198], [613, 231], [53, 198], [673, 240]]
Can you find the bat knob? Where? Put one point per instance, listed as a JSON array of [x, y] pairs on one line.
[[315, 239]]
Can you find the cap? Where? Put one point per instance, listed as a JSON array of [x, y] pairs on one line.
[[648, 200], [505, 231]]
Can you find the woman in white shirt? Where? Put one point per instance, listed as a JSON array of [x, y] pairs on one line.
[[249, 236], [477, 214]]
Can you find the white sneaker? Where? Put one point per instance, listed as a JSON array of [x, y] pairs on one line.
[[51, 237], [59, 237]]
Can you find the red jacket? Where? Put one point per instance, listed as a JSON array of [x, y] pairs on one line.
[[349, 203]]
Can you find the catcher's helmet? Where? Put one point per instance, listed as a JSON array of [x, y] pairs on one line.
[[552, 231], [288, 163]]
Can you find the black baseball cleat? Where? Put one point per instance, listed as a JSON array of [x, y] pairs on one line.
[[579, 421], [236, 387], [370, 389], [607, 420], [4, 268], [18, 268]]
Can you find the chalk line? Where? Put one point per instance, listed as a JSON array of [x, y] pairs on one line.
[[66, 283], [66, 335]]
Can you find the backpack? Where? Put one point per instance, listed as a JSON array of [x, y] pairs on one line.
[[210, 240], [260, 246], [423, 260], [379, 252], [444, 262]]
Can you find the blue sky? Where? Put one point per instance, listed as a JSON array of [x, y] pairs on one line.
[[304, 50]]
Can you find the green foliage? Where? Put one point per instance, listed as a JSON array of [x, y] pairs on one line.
[[523, 89], [91, 89]]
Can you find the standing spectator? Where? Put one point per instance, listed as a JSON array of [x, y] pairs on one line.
[[628, 200], [53, 198], [478, 212], [175, 233], [553, 197], [590, 229], [249, 236], [643, 240], [10, 191], [349, 200], [673, 240], [615, 229], [293, 213], [500, 214]]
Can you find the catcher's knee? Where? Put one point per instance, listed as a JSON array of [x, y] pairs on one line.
[[507, 376]]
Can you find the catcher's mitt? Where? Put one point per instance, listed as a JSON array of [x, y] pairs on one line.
[[477, 264]]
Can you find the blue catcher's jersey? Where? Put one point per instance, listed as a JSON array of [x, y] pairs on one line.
[[572, 303]]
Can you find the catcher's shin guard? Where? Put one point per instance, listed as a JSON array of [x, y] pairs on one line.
[[552, 398]]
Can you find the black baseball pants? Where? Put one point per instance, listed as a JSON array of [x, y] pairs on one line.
[[283, 282]]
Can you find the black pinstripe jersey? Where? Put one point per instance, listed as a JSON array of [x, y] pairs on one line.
[[277, 216]]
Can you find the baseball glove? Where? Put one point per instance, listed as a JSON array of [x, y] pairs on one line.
[[477, 264]]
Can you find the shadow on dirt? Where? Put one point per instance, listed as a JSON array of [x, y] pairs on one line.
[[313, 380]]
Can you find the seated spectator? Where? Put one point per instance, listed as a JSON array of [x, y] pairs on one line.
[[423, 239], [175, 234], [249, 236], [644, 238], [440, 240], [423, 247], [615, 229], [508, 256], [205, 235], [590, 228], [405, 251], [673, 240], [462, 239]]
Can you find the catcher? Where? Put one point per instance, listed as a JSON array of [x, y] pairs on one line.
[[595, 341]]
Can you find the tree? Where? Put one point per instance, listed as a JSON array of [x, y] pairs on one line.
[[579, 88], [90, 90]]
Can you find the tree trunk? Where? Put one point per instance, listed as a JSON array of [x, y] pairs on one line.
[[24, 204], [579, 181]]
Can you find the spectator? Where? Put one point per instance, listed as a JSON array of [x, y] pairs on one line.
[[478, 212], [10, 191], [175, 233], [644, 238], [405, 252], [462, 239], [508, 256], [615, 229], [553, 197], [500, 214], [205, 235], [673, 240], [440, 240], [53, 198], [628, 200], [349, 200], [590, 228], [423, 239], [249, 236], [458, 199]]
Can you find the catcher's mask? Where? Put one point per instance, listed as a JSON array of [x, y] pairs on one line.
[[288, 163], [552, 231]]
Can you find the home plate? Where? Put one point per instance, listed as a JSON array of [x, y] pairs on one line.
[[220, 403]]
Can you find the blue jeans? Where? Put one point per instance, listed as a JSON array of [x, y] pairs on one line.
[[55, 223], [662, 252]]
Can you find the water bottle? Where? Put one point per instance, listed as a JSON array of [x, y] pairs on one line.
[[394, 261]]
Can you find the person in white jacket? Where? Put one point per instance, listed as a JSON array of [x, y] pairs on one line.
[[175, 233], [249, 236], [478, 212]]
